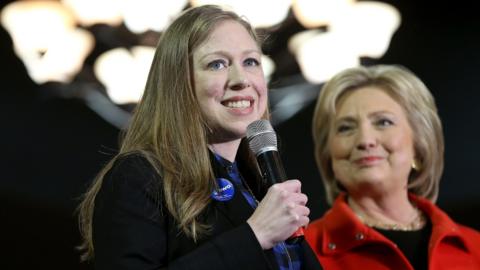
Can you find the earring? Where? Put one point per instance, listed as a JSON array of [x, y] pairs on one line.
[[416, 164]]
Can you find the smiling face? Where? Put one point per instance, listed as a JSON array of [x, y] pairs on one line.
[[229, 81], [371, 142]]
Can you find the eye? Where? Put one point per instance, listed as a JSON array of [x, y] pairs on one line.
[[251, 62], [384, 122], [344, 128], [217, 65]]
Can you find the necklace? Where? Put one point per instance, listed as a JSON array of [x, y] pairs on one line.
[[417, 222]]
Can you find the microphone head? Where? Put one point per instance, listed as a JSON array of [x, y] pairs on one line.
[[261, 137]]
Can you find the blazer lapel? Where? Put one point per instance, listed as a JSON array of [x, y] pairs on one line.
[[233, 212], [236, 211]]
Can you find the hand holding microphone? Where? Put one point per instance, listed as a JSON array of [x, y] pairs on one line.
[[282, 212]]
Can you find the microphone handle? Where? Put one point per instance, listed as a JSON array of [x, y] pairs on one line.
[[273, 171], [271, 167]]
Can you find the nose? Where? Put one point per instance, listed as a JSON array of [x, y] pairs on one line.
[[237, 79], [366, 138]]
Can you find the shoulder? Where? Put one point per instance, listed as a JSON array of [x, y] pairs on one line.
[[132, 166], [443, 225], [131, 173], [471, 238], [131, 163], [470, 233], [129, 225]]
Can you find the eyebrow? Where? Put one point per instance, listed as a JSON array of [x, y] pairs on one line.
[[350, 118], [225, 53]]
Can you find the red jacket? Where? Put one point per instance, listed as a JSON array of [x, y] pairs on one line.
[[341, 241]]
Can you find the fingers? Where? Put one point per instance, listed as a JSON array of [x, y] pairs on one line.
[[290, 190], [298, 214], [280, 213], [298, 210], [295, 205], [290, 185], [299, 198]]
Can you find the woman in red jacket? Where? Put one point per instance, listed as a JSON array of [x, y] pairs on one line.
[[379, 146]]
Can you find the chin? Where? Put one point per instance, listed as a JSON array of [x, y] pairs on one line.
[[232, 134], [370, 177]]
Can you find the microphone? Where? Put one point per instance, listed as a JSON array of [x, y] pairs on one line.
[[262, 140]]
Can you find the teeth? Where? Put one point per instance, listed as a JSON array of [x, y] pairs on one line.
[[238, 104]]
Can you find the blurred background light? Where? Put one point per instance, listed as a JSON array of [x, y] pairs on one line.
[[124, 72], [90, 12], [369, 25], [268, 66], [362, 29], [45, 37], [143, 15], [315, 13], [58, 64], [322, 54]]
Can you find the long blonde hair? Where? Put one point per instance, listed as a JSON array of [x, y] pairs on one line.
[[168, 128], [419, 106]]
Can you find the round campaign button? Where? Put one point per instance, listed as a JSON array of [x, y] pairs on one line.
[[225, 190]]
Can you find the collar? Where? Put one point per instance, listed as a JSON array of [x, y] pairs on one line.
[[222, 161], [222, 166], [344, 231], [443, 226]]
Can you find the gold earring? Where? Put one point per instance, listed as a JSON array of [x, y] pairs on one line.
[[415, 165]]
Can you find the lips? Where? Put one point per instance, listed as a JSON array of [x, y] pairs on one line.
[[368, 160], [238, 102]]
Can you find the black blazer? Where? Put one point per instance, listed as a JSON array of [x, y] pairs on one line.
[[132, 229]]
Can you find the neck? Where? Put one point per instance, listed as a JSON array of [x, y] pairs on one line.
[[227, 150], [394, 212]]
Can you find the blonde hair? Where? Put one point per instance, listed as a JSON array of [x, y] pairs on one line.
[[168, 107], [419, 106]]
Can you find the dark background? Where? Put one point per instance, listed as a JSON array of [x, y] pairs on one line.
[[51, 147]]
